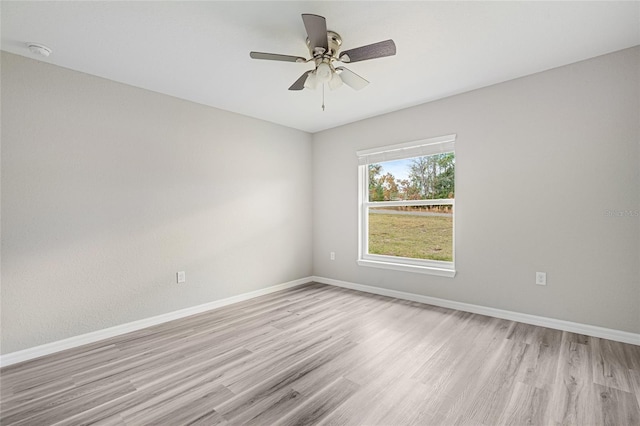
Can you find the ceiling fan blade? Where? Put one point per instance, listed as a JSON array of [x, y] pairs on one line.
[[352, 79], [276, 57], [299, 84], [370, 51], [316, 27]]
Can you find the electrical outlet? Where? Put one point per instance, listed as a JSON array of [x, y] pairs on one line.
[[181, 276], [332, 255], [541, 278]]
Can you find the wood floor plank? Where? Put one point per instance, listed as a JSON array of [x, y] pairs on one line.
[[267, 367], [527, 406], [317, 407], [109, 412], [540, 363], [443, 359], [317, 354], [276, 391], [59, 409], [452, 388], [610, 365], [573, 394], [33, 377], [212, 365], [616, 407], [635, 383], [186, 407], [494, 385]]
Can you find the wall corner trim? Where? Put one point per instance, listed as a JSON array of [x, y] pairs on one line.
[[95, 336], [586, 329]]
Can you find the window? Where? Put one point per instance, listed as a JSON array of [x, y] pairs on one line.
[[406, 202]]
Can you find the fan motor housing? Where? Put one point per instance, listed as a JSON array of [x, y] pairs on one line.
[[334, 41]]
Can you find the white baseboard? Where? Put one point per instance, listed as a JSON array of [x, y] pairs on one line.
[[73, 342], [586, 329], [83, 339]]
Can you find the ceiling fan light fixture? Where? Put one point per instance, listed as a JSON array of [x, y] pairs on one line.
[[311, 82], [323, 73], [335, 81]]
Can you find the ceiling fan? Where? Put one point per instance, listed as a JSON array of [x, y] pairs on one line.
[[324, 48]]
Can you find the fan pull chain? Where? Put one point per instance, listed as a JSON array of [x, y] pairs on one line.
[[323, 97]]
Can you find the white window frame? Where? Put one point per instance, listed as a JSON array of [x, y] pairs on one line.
[[419, 148]]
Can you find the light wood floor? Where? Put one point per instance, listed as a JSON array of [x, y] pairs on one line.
[[324, 355]]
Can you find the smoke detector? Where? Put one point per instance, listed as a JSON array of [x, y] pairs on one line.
[[39, 49]]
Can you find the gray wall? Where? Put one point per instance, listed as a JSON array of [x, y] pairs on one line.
[[539, 161], [108, 190]]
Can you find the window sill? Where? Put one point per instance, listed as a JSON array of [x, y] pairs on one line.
[[429, 270]]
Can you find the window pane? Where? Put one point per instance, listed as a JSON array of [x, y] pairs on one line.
[[424, 232], [417, 178]]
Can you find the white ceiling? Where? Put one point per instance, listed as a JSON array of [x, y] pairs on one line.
[[200, 50]]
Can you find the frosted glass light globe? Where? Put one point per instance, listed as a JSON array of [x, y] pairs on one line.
[[323, 73]]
